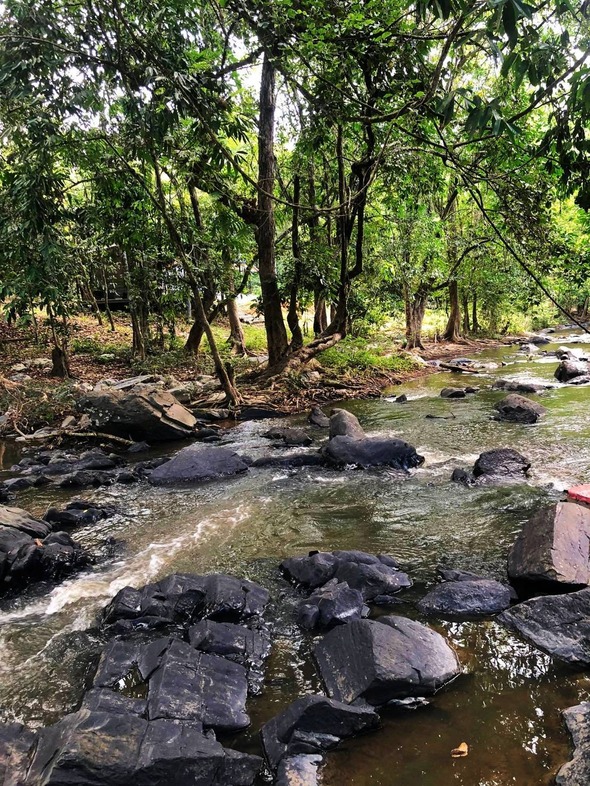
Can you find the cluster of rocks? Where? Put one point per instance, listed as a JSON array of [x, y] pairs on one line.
[[181, 672], [71, 470], [21, 371], [492, 467], [31, 551]]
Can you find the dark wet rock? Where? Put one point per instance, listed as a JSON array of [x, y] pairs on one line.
[[16, 742], [539, 340], [318, 418], [345, 424], [455, 574], [382, 660], [366, 452], [112, 701], [477, 597], [185, 598], [557, 624], [18, 484], [138, 447], [577, 771], [529, 349], [154, 414], [300, 770], [470, 389], [333, 604], [553, 546], [19, 520], [584, 379], [568, 370], [494, 466], [250, 647], [513, 386], [198, 463], [90, 748], [518, 409], [453, 393], [401, 399], [371, 575], [291, 461], [311, 725], [290, 436], [79, 513]]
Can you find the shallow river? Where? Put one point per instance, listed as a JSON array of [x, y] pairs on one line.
[[507, 703]]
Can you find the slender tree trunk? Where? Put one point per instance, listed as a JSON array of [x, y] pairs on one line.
[[320, 318], [59, 355], [276, 333], [465, 309], [107, 308], [196, 332], [292, 315], [474, 322], [453, 328], [236, 334]]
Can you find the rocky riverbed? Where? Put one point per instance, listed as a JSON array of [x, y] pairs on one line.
[[361, 623]]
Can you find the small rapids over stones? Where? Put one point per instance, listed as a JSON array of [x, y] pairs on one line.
[[507, 702]]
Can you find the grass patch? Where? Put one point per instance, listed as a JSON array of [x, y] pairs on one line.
[[353, 354], [35, 404]]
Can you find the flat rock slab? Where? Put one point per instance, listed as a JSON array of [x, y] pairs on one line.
[[366, 452], [577, 771], [514, 386], [378, 661], [373, 575], [557, 624], [553, 546], [198, 463], [21, 521], [313, 724], [466, 599], [300, 770], [153, 415], [89, 748], [518, 409]]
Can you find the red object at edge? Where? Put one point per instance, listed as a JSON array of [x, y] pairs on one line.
[[581, 493]]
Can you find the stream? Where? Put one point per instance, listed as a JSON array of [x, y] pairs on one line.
[[508, 701]]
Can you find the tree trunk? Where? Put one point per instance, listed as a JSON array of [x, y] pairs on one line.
[[320, 318], [276, 333], [236, 334], [415, 309], [195, 336], [474, 322], [292, 315], [453, 328], [465, 309]]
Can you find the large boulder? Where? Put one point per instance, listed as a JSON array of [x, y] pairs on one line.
[[500, 465], [569, 370], [90, 748], [453, 393], [198, 463], [577, 771], [153, 415], [553, 546], [557, 624], [473, 597], [313, 724], [518, 409], [376, 577], [382, 660], [345, 424], [365, 452]]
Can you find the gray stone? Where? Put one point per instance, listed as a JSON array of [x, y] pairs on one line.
[[568, 370], [514, 386], [383, 660], [557, 624], [345, 424], [318, 418], [554, 546], [366, 452], [577, 771], [518, 409], [333, 604], [466, 599], [453, 393], [198, 463]]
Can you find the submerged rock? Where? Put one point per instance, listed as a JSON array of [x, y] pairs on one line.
[[290, 436], [577, 771], [518, 409], [299, 770], [378, 661], [150, 414], [78, 513], [557, 624], [472, 597], [514, 386], [553, 546], [345, 424], [312, 725], [198, 463], [366, 452]]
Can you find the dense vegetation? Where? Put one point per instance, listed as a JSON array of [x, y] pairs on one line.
[[361, 159]]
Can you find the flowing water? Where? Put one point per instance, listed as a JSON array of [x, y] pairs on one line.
[[507, 703]]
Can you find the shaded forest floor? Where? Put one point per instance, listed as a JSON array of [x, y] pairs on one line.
[[357, 367]]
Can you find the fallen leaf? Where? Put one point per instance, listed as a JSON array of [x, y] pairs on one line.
[[460, 751], [38, 542]]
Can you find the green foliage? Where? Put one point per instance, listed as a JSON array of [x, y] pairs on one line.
[[352, 355]]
